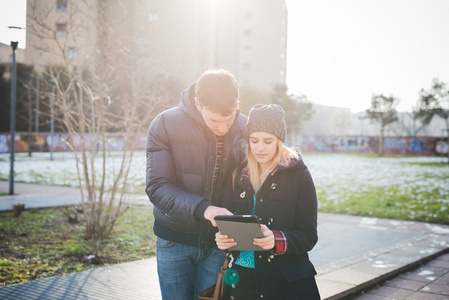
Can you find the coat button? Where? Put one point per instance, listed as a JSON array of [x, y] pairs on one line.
[[260, 256], [261, 200], [261, 296]]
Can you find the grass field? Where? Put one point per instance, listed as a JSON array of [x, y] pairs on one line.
[[42, 243], [407, 188]]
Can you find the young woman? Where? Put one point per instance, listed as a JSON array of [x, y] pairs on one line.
[[275, 185]]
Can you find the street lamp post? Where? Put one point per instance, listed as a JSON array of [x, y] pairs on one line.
[[13, 117], [52, 119], [36, 119]]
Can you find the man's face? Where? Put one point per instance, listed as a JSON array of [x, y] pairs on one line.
[[217, 123]]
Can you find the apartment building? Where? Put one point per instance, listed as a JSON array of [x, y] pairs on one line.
[[6, 54], [176, 38]]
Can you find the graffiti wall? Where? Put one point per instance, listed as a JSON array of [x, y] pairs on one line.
[[42, 142], [422, 146]]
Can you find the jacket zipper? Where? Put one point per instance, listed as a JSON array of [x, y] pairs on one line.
[[215, 166]]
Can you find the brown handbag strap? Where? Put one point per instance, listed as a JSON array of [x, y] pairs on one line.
[[225, 265], [219, 288]]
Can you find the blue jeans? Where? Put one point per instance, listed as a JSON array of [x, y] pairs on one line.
[[184, 270]]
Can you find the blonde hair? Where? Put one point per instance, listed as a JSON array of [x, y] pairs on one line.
[[282, 157]]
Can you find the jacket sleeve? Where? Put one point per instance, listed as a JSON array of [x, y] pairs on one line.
[[304, 237], [161, 186]]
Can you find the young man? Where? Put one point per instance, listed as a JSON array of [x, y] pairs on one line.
[[192, 150]]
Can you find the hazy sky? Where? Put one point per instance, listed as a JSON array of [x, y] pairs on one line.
[[340, 52], [12, 13]]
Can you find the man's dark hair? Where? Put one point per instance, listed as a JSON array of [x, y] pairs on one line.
[[218, 91]]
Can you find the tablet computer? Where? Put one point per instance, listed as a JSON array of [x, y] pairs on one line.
[[243, 229]]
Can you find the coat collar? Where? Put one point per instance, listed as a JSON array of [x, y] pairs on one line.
[[243, 171]]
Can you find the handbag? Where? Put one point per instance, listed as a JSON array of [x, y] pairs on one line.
[[215, 291]]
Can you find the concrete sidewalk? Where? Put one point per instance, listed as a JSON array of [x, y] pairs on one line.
[[352, 255], [44, 196]]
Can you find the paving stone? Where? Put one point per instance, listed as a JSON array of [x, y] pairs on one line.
[[329, 288], [444, 257], [443, 280], [392, 292], [440, 263], [425, 296], [350, 276], [371, 297], [377, 266], [407, 284], [436, 289], [424, 274]]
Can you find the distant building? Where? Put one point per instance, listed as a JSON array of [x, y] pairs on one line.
[[340, 121], [6, 57], [175, 38]]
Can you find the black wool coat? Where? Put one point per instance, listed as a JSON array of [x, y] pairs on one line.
[[286, 202]]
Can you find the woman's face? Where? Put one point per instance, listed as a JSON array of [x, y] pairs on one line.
[[263, 146]]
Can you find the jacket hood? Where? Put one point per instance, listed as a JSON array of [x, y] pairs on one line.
[[294, 165], [187, 104]]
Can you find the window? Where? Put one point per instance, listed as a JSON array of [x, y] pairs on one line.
[[61, 5], [72, 54], [61, 29], [153, 17]]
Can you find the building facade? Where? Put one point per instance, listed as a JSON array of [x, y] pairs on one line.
[[176, 38]]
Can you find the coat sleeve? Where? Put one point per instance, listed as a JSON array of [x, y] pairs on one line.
[[304, 237], [161, 186]]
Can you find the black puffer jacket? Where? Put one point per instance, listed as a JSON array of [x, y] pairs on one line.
[[181, 155]]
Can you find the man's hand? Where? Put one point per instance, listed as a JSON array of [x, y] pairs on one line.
[[212, 211]]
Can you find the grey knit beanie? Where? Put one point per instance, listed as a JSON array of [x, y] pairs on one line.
[[268, 118]]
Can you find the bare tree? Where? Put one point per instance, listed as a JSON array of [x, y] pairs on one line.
[[409, 125], [382, 111], [99, 86], [434, 102], [250, 96], [297, 110]]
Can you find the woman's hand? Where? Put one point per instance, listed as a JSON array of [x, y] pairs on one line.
[[223, 241], [267, 242]]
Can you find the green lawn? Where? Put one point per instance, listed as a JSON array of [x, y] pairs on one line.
[[42, 243]]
